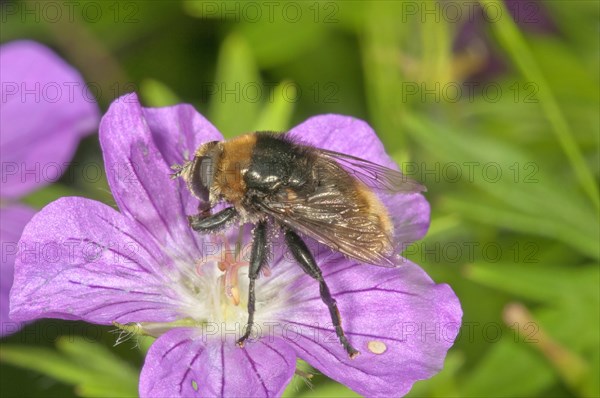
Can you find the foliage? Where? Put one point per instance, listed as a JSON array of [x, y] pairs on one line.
[[512, 177]]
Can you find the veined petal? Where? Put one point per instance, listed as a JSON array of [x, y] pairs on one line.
[[13, 218], [402, 323], [345, 134], [178, 131], [46, 110], [139, 146], [181, 363], [80, 259]]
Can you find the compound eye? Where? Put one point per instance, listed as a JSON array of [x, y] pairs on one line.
[[202, 177]]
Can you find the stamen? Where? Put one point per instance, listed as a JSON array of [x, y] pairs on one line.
[[231, 266], [227, 263]]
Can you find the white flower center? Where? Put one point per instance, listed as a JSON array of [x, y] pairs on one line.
[[215, 289], [212, 294]]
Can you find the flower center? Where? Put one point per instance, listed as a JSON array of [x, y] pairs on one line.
[[212, 294], [214, 284], [229, 261]]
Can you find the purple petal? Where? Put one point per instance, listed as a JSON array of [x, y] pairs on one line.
[[80, 259], [402, 323], [345, 134], [181, 364], [533, 16], [46, 110], [139, 146], [13, 218]]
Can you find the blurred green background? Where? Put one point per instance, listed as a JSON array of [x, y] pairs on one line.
[[496, 111]]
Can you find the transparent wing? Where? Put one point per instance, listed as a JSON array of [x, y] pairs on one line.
[[353, 237], [335, 214], [373, 175]]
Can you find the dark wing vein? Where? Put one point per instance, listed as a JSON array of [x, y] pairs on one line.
[[332, 218], [374, 175]]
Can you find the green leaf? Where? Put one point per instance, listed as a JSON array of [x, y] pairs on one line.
[[104, 360], [380, 52], [592, 384], [571, 311], [532, 200], [571, 367], [49, 193], [46, 361], [279, 42], [510, 37], [509, 370], [238, 89], [498, 214], [144, 343], [329, 389], [444, 383], [157, 94], [277, 111], [103, 388], [277, 32], [91, 367], [540, 282]]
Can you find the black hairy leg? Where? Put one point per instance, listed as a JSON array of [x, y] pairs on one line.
[[258, 257], [214, 222], [309, 265]]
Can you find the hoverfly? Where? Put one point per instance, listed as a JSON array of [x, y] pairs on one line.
[[270, 180]]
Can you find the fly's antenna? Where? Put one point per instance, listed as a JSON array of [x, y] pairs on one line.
[[177, 168], [180, 169]]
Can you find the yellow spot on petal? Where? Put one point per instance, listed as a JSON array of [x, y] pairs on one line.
[[377, 347], [194, 385]]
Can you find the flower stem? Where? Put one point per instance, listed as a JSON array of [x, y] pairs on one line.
[[571, 368]]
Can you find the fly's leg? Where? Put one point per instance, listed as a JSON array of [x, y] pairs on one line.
[[258, 257], [212, 223], [309, 265]]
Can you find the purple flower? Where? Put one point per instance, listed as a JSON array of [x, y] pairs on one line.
[[14, 218], [44, 115], [472, 36], [144, 266]]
